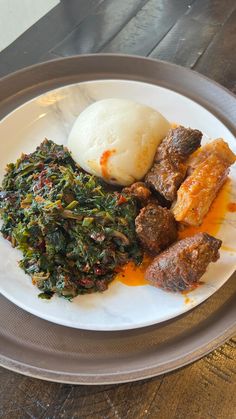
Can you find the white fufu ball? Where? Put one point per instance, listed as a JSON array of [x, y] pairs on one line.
[[116, 139]]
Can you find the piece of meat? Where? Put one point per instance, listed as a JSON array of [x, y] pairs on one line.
[[140, 191], [156, 228], [169, 167], [198, 191], [181, 266], [218, 147]]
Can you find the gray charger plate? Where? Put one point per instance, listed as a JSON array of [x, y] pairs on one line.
[[44, 350]]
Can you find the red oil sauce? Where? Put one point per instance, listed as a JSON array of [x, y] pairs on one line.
[[213, 220], [228, 249], [187, 300], [104, 160], [231, 207], [174, 125], [134, 275]]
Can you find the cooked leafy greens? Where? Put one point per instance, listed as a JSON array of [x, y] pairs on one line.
[[74, 233]]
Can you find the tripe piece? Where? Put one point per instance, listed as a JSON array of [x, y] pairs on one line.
[[218, 147], [198, 191]]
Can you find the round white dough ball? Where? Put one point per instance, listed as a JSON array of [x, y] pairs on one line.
[[116, 139]]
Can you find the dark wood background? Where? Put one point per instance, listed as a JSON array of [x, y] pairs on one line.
[[200, 34]]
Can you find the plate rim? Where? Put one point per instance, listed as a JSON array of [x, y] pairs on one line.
[[27, 88], [119, 377], [92, 380], [52, 317], [21, 76]]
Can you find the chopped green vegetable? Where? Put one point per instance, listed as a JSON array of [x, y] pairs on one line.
[[45, 295], [73, 232]]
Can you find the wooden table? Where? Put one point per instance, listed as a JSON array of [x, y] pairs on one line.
[[199, 34]]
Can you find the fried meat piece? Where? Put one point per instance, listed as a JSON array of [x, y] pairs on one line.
[[169, 168], [156, 228], [198, 191], [181, 266], [218, 147], [140, 191]]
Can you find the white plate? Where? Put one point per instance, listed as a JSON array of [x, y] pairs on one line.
[[121, 307]]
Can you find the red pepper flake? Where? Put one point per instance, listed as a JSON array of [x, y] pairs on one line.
[[48, 183], [104, 160], [121, 200], [231, 207], [42, 246], [98, 270], [42, 181], [86, 282]]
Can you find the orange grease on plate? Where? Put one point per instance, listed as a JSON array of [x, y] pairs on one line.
[[228, 249], [231, 207], [134, 275], [187, 300], [174, 125], [213, 220], [104, 160]]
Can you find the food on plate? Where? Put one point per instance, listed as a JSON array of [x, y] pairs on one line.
[[140, 191], [77, 231], [116, 139], [156, 228], [217, 147], [169, 168], [73, 233], [181, 266], [197, 192]]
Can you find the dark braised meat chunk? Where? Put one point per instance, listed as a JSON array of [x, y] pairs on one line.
[[169, 168], [140, 191], [156, 228], [181, 266]]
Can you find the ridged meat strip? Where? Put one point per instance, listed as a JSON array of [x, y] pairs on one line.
[[210, 168], [218, 147]]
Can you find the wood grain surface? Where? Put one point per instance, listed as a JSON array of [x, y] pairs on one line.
[[200, 34], [205, 389]]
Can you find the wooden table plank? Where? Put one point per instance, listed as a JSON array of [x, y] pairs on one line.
[[45, 34], [192, 34], [219, 60], [99, 27], [148, 27], [203, 390]]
